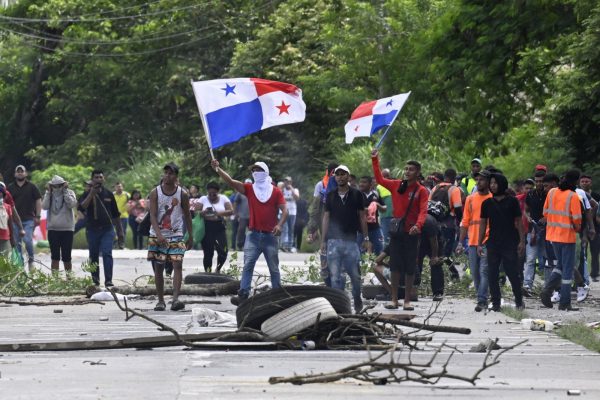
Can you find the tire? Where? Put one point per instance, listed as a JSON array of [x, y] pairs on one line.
[[370, 291], [200, 278], [297, 318], [257, 309]]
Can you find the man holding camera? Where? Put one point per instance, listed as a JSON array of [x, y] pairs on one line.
[[103, 218]]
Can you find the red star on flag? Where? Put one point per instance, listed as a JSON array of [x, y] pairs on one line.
[[283, 108]]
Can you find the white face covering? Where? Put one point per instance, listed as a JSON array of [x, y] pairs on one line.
[[262, 186]]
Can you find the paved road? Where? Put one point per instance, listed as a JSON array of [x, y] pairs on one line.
[[545, 368]]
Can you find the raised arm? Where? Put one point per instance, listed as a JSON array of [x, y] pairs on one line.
[[386, 183], [237, 185]]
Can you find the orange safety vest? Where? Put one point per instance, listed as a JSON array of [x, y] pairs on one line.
[[472, 217], [562, 210]]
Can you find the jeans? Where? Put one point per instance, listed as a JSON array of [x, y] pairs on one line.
[[100, 240], [287, 236], [533, 253], [376, 239], [551, 262], [124, 223], [563, 273], [479, 272], [344, 255], [583, 263], [385, 228], [258, 243], [508, 257], [28, 226]]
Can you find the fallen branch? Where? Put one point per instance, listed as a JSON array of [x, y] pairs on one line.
[[213, 289], [51, 303], [410, 324], [396, 370]]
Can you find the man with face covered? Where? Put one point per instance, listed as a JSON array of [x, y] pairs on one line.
[[506, 241], [409, 199], [264, 203]]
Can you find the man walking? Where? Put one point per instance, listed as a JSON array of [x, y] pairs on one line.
[[409, 200], [585, 182], [291, 196], [469, 182], [536, 242], [506, 239], [373, 205], [102, 215], [471, 224], [169, 211], [122, 197], [562, 211], [264, 203], [344, 218], [28, 203]]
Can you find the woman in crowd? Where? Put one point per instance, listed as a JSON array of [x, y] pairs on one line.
[[214, 207], [137, 211], [60, 202]]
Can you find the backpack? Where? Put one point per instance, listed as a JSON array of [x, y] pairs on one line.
[[439, 204]]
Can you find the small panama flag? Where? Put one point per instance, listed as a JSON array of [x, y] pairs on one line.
[[371, 116], [234, 108]]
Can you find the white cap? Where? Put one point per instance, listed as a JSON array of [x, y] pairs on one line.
[[261, 165], [248, 181], [342, 168]]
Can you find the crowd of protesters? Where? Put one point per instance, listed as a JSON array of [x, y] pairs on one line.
[[543, 223]]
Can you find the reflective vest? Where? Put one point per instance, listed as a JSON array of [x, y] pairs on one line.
[[562, 210], [472, 217]]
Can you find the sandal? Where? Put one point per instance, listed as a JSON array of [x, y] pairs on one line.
[[408, 308], [391, 306], [177, 305], [160, 306]]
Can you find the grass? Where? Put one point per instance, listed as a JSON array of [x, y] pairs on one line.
[[514, 313], [582, 335]]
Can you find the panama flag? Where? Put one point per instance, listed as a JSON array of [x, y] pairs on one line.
[[371, 116], [234, 108]]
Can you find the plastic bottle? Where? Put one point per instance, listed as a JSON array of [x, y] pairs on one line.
[[537, 324]]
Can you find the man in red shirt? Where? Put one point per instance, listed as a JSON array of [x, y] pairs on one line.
[[264, 203], [409, 199]]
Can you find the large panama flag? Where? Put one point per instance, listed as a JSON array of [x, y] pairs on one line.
[[371, 116], [234, 108]]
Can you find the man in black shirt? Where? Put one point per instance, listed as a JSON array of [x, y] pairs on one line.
[[536, 237], [506, 239], [28, 202], [344, 217], [585, 182], [102, 215], [373, 204]]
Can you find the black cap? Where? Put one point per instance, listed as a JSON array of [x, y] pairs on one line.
[[485, 173], [173, 167]]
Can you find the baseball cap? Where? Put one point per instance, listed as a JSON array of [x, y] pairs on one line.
[[173, 167], [476, 160], [248, 181], [342, 168], [20, 167], [261, 165], [530, 181], [541, 167], [485, 173]]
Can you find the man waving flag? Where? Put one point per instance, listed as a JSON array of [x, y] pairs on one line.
[[371, 116], [234, 108]]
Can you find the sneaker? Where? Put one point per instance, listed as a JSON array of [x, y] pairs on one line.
[[520, 307], [495, 307], [582, 293], [177, 305], [480, 306], [555, 297], [527, 291], [567, 307], [546, 298], [236, 300], [109, 284], [293, 250], [438, 297]]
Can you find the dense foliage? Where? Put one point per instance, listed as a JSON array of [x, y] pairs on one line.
[[106, 83]]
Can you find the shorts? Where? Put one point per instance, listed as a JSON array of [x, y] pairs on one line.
[[404, 251], [174, 251]]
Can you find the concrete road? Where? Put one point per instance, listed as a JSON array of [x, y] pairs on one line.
[[544, 368]]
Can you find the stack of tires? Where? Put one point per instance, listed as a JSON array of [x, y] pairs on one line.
[[283, 312]]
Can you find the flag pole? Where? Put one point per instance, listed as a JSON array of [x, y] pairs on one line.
[[378, 145], [204, 124]]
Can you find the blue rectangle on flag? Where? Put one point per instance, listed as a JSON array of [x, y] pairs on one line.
[[230, 124], [381, 120]]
